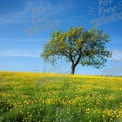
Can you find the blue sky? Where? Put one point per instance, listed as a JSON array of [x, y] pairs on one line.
[[25, 25]]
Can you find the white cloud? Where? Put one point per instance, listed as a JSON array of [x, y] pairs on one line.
[[116, 55], [20, 53]]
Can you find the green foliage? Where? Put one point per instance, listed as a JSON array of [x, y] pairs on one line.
[[4, 107], [59, 98], [78, 46]]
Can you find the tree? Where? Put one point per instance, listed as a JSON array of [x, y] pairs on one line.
[[78, 46]]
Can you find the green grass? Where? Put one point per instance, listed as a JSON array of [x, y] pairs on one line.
[[34, 97]]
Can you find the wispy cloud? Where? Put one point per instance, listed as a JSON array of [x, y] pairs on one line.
[[19, 16], [3, 20], [116, 55], [20, 53], [25, 15]]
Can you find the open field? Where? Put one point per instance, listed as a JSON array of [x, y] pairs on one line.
[[34, 97]]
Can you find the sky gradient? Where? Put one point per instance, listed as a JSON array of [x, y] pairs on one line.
[[25, 25]]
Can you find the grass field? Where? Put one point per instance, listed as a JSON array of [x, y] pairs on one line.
[[34, 97]]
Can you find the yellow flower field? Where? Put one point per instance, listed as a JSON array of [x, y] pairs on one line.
[[41, 97]]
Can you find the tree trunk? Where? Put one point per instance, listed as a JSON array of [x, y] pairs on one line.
[[73, 69]]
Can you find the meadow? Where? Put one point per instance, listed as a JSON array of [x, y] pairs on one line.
[[41, 97]]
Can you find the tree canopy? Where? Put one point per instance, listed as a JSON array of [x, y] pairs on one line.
[[78, 46]]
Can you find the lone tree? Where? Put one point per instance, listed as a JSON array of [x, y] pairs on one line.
[[78, 46]]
